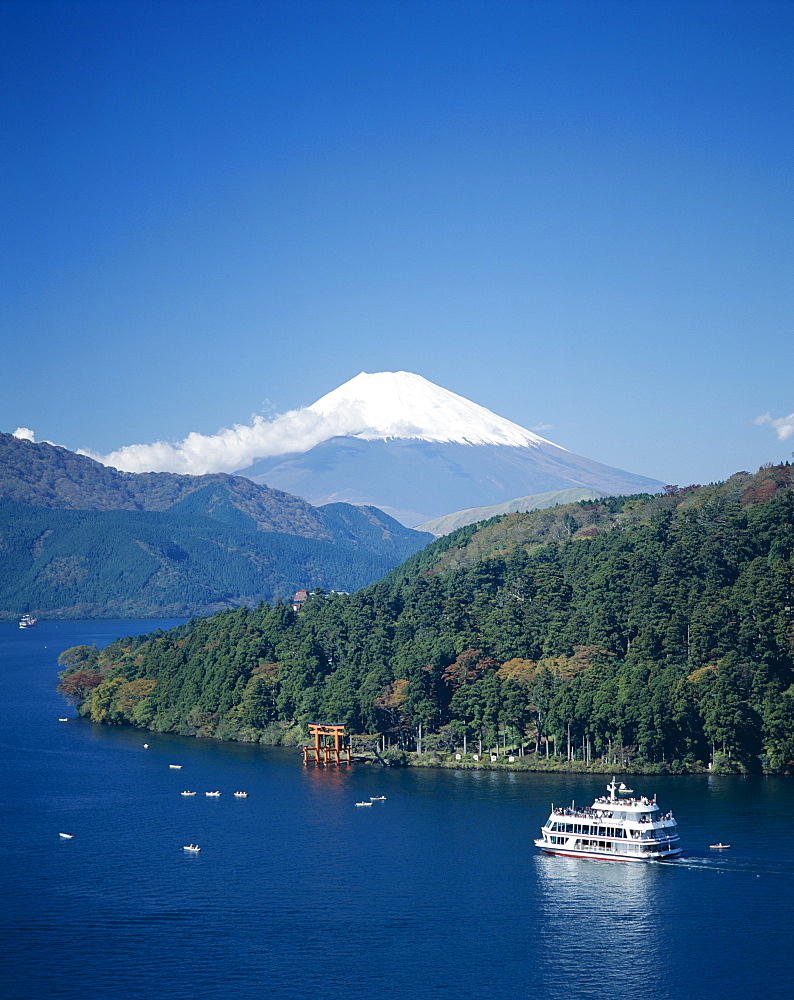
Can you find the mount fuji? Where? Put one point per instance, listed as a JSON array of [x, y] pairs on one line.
[[417, 451]]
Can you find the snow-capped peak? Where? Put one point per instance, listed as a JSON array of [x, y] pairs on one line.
[[402, 405]]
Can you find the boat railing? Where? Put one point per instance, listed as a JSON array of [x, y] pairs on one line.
[[641, 801], [603, 814], [586, 813]]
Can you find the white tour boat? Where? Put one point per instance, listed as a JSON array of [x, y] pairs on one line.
[[612, 829]]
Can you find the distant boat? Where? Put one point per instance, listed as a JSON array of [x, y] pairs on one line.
[[378, 798], [27, 621], [192, 848], [241, 795], [363, 803], [188, 793], [66, 836], [63, 720], [145, 746], [175, 767], [719, 847], [213, 795]]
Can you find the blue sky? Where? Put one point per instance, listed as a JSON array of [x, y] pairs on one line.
[[577, 214]]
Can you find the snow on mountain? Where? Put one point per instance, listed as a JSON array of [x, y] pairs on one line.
[[398, 442], [387, 405]]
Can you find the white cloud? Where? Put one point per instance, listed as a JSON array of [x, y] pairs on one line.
[[784, 426], [24, 434], [233, 448]]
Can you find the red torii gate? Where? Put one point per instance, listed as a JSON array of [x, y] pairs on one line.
[[322, 752]]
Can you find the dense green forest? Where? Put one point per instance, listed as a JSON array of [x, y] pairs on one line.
[[78, 539], [120, 564], [643, 632]]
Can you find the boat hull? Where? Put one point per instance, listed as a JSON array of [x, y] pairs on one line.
[[570, 852]]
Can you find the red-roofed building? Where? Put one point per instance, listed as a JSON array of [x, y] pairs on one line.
[[300, 598]]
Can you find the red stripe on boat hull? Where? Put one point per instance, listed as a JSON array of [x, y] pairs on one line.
[[609, 857]]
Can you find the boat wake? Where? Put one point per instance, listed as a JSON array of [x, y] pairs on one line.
[[729, 866]]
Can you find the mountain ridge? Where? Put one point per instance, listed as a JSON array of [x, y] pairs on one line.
[[537, 501], [417, 481], [80, 539]]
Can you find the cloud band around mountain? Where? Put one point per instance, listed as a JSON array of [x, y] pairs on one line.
[[232, 448]]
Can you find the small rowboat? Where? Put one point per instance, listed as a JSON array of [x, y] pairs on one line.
[[188, 793], [241, 795], [191, 848], [66, 836], [175, 767], [719, 847]]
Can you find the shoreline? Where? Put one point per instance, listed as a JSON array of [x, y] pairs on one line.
[[529, 763], [501, 761]]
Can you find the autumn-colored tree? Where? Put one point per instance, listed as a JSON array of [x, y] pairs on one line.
[[467, 668], [519, 670], [394, 695], [131, 694], [76, 685], [567, 667]]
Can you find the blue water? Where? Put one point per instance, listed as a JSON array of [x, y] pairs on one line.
[[438, 892]]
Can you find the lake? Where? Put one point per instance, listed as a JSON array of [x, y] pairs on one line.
[[436, 892]]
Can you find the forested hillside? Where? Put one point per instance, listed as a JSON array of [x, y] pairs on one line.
[[653, 632], [78, 539], [45, 475]]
